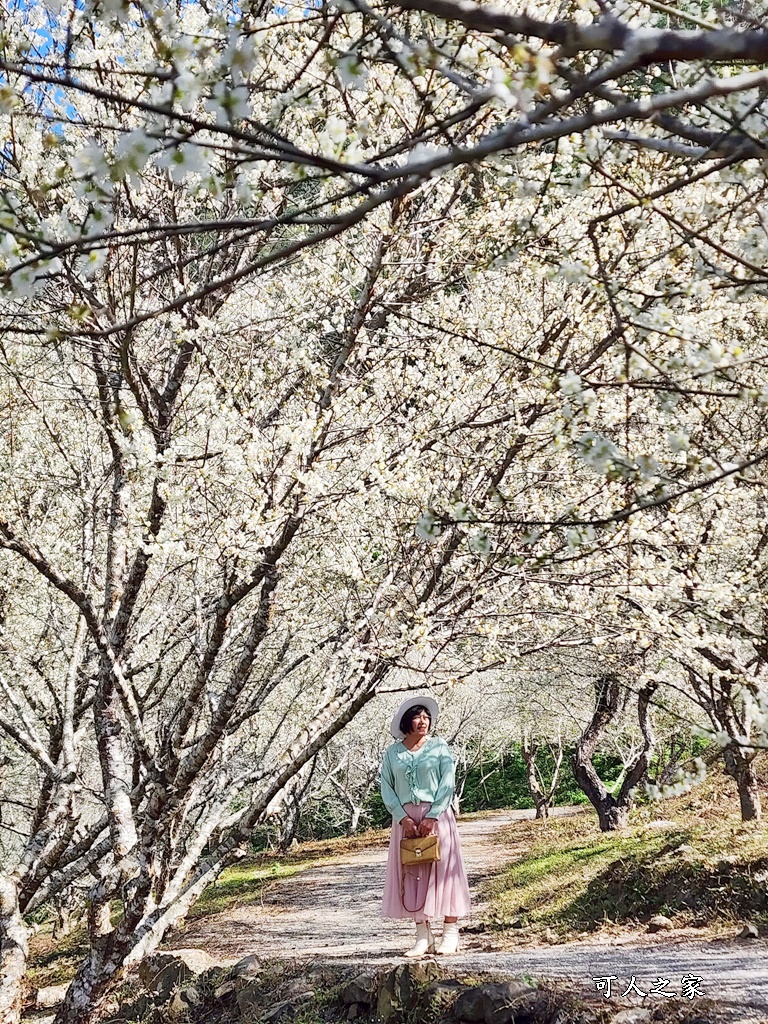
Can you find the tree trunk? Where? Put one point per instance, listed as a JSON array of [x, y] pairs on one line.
[[607, 705], [145, 924], [612, 815], [749, 798], [529, 748], [739, 766], [543, 794], [14, 950], [612, 811], [93, 984], [354, 820], [289, 824]]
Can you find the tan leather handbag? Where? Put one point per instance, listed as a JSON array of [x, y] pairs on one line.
[[421, 850]]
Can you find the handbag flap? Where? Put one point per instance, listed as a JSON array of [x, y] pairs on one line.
[[420, 850]]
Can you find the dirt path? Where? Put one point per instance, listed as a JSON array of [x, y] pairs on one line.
[[332, 911]]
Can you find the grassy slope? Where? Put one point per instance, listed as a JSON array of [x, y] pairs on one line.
[[691, 859]]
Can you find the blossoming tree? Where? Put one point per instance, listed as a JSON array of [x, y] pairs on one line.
[[330, 338]]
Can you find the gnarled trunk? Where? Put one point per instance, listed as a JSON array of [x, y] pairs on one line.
[[612, 811], [612, 814], [14, 951]]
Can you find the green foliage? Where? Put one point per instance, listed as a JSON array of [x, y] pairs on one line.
[[676, 750], [500, 780], [377, 814]]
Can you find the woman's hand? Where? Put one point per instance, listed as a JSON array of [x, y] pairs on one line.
[[410, 828], [428, 826]]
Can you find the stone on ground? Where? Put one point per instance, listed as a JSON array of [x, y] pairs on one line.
[[163, 973], [495, 1002], [660, 923]]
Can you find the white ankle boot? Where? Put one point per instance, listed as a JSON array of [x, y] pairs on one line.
[[425, 940], [450, 941]]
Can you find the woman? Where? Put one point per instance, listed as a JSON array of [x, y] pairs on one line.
[[417, 786]]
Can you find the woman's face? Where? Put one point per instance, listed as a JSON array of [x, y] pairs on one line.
[[420, 724]]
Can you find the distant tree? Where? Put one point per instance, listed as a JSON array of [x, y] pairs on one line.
[[542, 790]]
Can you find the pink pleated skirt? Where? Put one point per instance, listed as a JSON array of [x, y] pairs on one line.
[[440, 891]]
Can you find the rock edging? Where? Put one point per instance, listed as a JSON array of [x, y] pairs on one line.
[[194, 989]]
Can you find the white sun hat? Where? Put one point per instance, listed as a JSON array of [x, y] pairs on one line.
[[428, 702]]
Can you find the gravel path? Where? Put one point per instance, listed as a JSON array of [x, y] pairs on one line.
[[332, 912]]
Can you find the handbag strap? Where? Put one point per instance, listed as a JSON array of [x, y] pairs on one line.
[[413, 910]]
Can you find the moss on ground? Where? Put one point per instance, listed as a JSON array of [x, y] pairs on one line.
[[54, 961], [244, 883]]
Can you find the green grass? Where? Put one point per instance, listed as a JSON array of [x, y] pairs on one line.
[[245, 882], [242, 884], [570, 877]]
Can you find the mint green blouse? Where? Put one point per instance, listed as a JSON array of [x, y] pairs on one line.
[[426, 775]]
